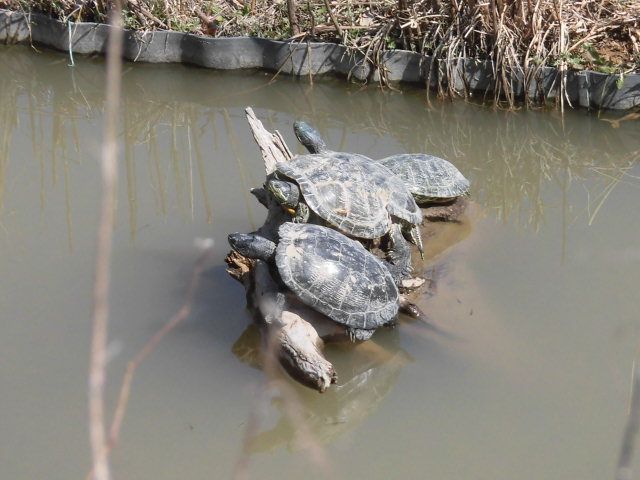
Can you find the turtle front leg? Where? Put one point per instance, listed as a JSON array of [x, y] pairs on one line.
[[412, 233], [399, 255], [302, 213], [359, 334]]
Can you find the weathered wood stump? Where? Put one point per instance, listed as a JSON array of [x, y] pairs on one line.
[[296, 331]]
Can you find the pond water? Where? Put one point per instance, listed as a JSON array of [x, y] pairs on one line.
[[536, 288]]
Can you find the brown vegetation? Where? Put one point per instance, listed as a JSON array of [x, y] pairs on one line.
[[520, 35]]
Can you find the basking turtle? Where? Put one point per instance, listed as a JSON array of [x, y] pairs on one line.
[[351, 193], [398, 198], [329, 272], [338, 191], [401, 204], [429, 179]]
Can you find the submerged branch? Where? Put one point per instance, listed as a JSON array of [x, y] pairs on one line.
[[623, 471]]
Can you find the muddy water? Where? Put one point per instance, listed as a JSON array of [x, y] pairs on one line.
[[536, 290]]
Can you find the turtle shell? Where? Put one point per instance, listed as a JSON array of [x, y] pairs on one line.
[[336, 276], [427, 177], [351, 192]]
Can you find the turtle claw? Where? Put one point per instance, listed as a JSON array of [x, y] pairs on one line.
[[416, 238], [410, 284]]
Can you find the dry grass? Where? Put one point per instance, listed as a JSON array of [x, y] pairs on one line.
[[517, 36]]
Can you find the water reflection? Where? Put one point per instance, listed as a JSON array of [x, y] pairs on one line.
[[368, 373], [512, 157], [539, 350]]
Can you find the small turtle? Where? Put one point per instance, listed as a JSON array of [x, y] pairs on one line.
[[430, 179], [329, 272]]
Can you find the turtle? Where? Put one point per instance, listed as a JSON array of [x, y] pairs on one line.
[[329, 272], [352, 194], [430, 179], [338, 191], [390, 187]]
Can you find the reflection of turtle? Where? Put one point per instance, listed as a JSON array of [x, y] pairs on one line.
[[430, 179], [330, 273], [368, 378]]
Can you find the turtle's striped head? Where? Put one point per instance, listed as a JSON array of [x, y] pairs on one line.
[[286, 194]]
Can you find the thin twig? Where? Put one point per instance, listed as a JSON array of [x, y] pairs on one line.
[[309, 63], [180, 316], [97, 374], [623, 471], [149, 347], [333, 17], [292, 50]]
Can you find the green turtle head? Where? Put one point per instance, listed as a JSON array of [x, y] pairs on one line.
[[286, 194], [309, 137]]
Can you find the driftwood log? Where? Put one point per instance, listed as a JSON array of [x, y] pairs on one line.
[[297, 333], [297, 330]]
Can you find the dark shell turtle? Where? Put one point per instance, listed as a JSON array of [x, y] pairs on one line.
[[392, 189], [430, 179], [351, 193], [329, 272]]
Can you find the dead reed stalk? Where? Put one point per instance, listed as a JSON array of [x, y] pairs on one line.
[[181, 315], [624, 471], [109, 164]]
